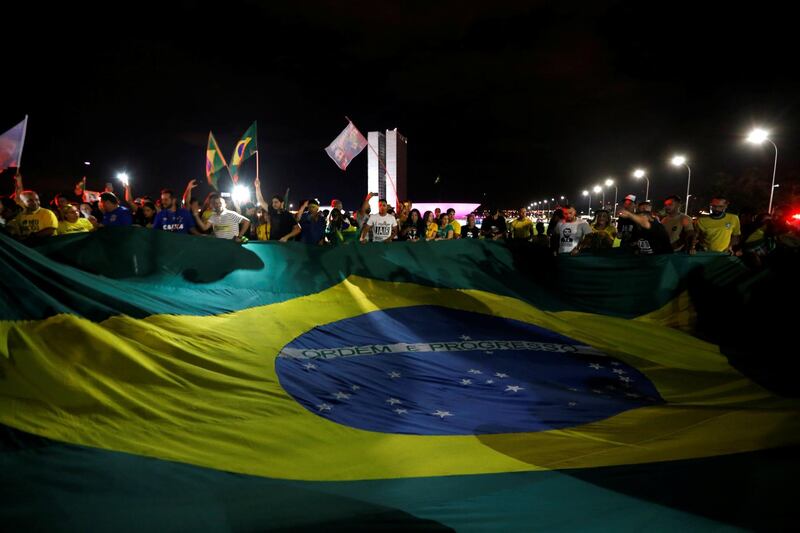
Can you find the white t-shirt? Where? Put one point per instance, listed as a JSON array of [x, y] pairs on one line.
[[226, 224], [381, 226], [570, 234]]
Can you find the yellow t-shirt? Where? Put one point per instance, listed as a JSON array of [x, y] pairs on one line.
[[262, 231], [716, 233], [456, 228], [82, 225], [521, 229], [26, 224], [433, 229]]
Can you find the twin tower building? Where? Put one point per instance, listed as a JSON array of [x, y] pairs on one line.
[[386, 167]]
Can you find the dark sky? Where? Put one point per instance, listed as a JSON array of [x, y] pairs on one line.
[[514, 100]]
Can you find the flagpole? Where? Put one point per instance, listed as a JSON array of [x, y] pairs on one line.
[[257, 177]]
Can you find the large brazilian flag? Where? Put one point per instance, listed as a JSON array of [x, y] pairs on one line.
[[160, 382]]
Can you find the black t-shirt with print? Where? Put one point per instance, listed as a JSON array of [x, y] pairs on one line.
[[470, 233], [654, 240]]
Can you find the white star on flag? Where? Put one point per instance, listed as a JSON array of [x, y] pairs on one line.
[[500, 375], [466, 382], [401, 411], [309, 366], [473, 371], [489, 381], [514, 388], [626, 379], [355, 387], [573, 389], [393, 401], [573, 404], [595, 366], [619, 371], [341, 396], [324, 407], [614, 363], [632, 395], [597, 391], [488, 352], [465, 338], [394, 375], [441, 414]]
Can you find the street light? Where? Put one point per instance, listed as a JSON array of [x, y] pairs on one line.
[[123, 177], [610, 183], [678, 161], [597, 190], [587, 193], [758, 136], [639, 174]]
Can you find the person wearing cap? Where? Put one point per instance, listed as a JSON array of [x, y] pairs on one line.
[[649, 235], [312, 223], [625, 225]]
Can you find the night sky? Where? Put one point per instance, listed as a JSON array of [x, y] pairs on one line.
[[508, 102]]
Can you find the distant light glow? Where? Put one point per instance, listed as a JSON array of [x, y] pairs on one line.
[[597, 189], [87, 163], [638, 173], [241, 194], [609, 182], [678, 160], [757, 136], [585, 193]]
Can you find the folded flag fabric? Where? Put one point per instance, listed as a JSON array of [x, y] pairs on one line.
[[268, 387]]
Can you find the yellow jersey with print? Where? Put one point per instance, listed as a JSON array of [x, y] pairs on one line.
[[82, 225], [26, 224], [522, 229], [456, 228], [716, 232], [432, 230]]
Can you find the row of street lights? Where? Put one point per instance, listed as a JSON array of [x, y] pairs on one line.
[[756, 136]]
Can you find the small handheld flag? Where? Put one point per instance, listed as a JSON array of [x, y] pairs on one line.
[[11, 143], [214, 160], [346, 146], [246, 147]]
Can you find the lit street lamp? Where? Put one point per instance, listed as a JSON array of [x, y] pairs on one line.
[[758, 136], [610, 183], [679, 161], [639, 174], [597, 190], [587, 193]]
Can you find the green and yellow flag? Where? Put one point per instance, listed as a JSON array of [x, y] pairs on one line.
[[458, 385], [245, 148], [215, 161]]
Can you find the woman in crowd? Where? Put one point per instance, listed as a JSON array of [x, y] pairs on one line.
[[413, 228], [262, 224], [72, 222], [603, 232], [148, 210], [445, 232], [431, 227]]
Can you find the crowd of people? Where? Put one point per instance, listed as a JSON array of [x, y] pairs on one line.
[[636, 227]]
